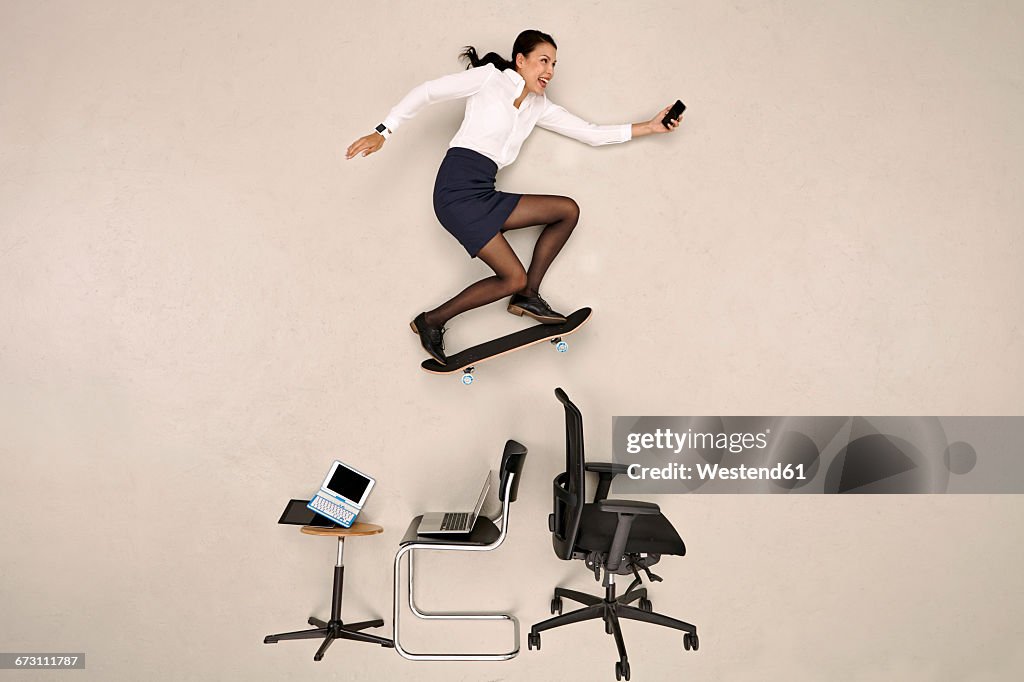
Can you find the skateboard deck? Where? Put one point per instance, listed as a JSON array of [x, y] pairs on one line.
[[465, 361]]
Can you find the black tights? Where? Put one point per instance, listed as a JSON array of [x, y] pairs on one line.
[[559, 216]]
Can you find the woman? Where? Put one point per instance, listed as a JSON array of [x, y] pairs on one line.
[[505, 101]]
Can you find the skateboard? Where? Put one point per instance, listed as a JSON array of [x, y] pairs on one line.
[[466, 361]]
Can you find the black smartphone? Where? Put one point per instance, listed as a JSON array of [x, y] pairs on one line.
[[675, 112]]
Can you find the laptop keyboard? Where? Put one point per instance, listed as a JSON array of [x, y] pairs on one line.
[[455, 521], [342, 515]]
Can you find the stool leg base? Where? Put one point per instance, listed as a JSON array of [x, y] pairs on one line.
[[319, 655], [333, 630], [366, 637], [298, 634], [354, 627]]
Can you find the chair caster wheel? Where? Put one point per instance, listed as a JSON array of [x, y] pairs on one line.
[[622, 670], [556, 606], [690, 641], [646, 605], [533, 641]]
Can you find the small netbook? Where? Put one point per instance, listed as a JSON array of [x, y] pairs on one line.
[[342, 494], [446, 523]]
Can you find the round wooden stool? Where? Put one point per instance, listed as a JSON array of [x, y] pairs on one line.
[[335, 628]]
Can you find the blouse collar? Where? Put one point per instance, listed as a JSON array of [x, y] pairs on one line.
[[516, 80]]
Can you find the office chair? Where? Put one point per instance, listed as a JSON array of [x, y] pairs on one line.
[[613, 537], [485, 536]]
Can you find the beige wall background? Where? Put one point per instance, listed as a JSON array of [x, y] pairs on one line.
[[203, 304]]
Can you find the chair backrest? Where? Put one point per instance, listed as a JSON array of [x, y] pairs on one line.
[[509, 475], [511, 467], [569, 487]]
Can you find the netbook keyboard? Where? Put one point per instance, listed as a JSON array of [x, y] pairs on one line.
[[342, 515], [455, 521]]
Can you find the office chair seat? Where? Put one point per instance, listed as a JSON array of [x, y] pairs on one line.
[[649, 534]]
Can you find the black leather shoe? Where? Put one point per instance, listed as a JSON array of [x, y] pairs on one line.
[[432, 338], [535, 307]]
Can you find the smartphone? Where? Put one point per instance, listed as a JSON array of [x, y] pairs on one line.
[[675, 112]]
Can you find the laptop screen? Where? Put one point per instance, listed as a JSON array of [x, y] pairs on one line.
[[483, 495], [348, 484]]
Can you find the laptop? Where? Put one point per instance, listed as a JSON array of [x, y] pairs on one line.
[[342, 494], [448, 523]]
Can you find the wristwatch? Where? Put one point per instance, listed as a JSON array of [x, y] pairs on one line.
[[383, 130]]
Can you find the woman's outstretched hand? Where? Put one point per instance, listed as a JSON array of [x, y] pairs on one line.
[[654, 126], [365, 145]]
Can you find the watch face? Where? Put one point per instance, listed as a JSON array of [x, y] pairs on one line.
[[381, 128]]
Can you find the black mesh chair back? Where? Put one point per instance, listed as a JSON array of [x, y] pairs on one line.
[[569, 486]]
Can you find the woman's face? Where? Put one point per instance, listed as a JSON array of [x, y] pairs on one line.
[[537, 68]]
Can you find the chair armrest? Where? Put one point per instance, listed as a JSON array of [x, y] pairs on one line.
[[627, 511], [606, 467], [607, 471], [628, 507]]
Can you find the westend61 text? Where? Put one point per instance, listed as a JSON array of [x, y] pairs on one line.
[[711, 472]]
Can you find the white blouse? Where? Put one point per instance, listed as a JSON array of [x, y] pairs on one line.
[[492, 125]]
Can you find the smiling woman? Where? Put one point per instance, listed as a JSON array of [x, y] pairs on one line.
[[539, 61], [505, 100]]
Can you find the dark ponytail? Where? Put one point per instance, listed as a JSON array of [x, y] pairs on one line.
[[474, 60], [525, 44]]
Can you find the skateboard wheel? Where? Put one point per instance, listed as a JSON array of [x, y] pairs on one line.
[[467, 376], [562, 346]]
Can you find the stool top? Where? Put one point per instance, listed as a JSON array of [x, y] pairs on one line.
[[358, 528]]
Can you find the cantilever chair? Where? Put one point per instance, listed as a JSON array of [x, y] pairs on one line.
[[484, 537], [613, 537]]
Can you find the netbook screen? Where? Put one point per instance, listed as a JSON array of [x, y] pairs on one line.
[[348, 483]]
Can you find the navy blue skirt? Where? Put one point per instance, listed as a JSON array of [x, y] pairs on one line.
[[465, 200]]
